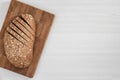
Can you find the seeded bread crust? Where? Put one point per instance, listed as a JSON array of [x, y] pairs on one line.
[[19, 40]]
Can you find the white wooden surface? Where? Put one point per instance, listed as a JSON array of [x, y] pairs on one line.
[[84, 42]]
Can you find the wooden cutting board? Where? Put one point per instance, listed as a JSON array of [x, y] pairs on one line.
[[43, 21]]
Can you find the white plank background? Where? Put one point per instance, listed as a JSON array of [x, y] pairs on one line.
[[84, 42]]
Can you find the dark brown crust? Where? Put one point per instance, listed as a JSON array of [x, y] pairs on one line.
[[18, 42]]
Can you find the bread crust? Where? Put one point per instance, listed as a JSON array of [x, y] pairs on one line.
[[19, 41]]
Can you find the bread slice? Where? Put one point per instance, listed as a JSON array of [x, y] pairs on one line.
[[19, 40]]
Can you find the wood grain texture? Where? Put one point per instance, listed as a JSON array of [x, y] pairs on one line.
[[43, 22]]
